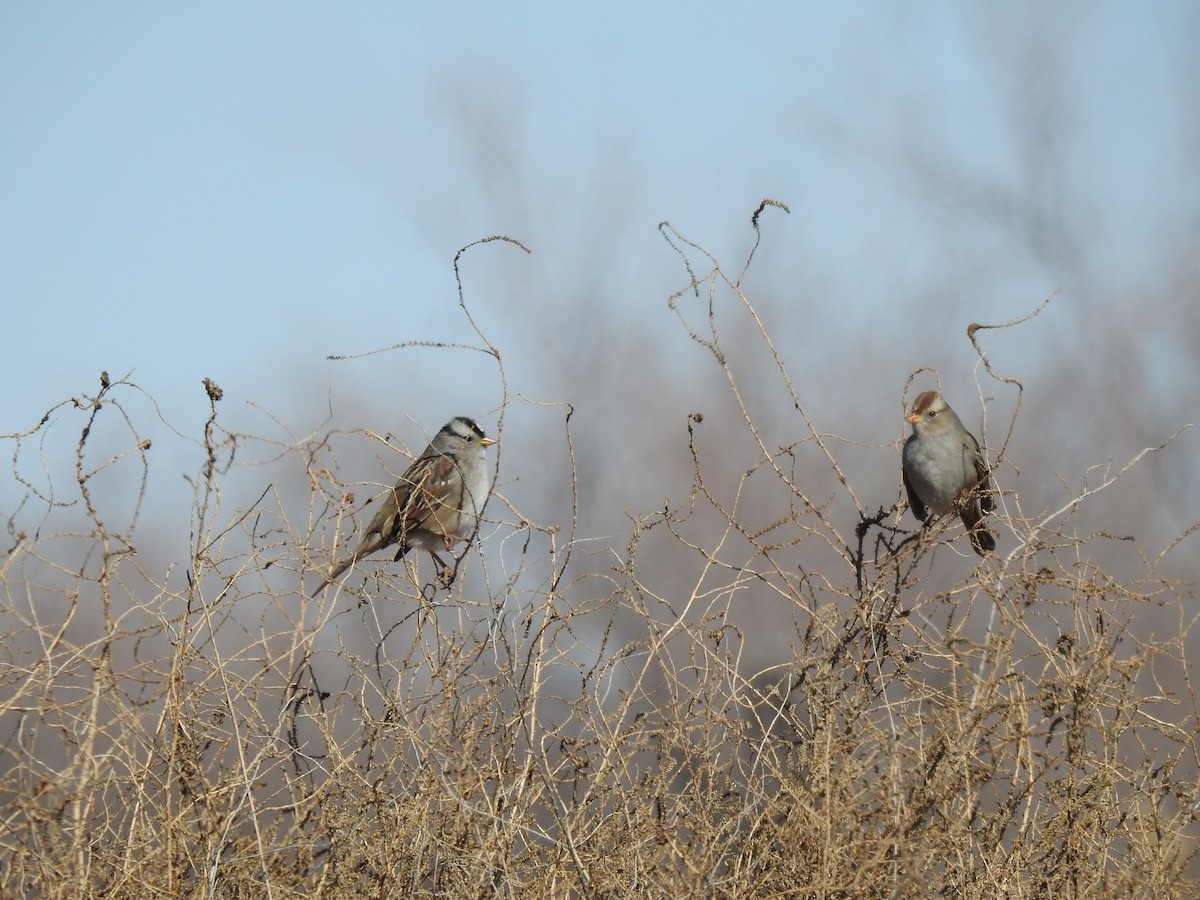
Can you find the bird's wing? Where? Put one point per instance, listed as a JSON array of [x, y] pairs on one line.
[[984, 489], [432, 491], [422, 499], [914, 502]]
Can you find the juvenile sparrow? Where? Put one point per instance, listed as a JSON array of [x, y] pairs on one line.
[[944, 470], [437, 501]]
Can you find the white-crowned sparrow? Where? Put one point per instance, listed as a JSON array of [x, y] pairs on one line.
[[437, 501], [944, 470]]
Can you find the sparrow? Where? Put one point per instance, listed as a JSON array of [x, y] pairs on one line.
[[437, 501], [945, 471]]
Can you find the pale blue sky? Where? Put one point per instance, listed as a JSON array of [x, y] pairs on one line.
[[235, 190]]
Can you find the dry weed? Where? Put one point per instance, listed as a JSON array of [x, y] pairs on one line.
[[572, 718]]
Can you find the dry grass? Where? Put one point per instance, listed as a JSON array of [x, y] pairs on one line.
[[570, 718]]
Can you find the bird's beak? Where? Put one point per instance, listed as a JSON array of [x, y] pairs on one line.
[[487, 442], [914, 419]]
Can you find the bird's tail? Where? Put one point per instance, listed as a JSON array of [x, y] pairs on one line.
[[972, 512], [332, 577], [982, 540]]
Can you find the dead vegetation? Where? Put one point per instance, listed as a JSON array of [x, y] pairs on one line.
[[577, 719]]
